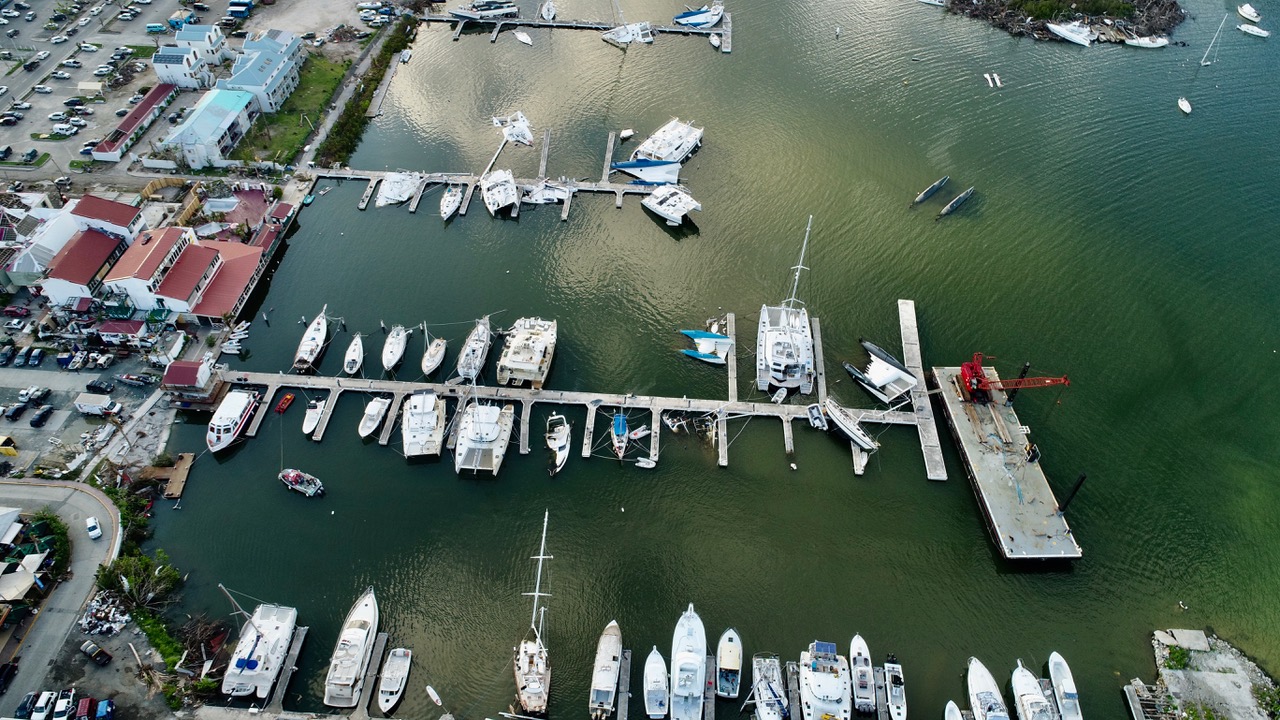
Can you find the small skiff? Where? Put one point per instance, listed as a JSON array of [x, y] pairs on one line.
[[311, 419], [655, 685]]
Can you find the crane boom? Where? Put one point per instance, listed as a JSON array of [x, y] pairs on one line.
[[977, 386]]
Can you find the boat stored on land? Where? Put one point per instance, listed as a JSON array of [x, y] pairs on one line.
[[558, 440], [672, 142], [935, 187], [395, 675], [483, 435], [847, 423], [824, 683], [604, 676], [895, 684], [729, 664], [957, 202], [499, 190], [230, 419], [984, 693], [704, 17], [312, 343], [1028, 699], [709, 347], [311, 419], [354, 358], [374, 412], [532, 666], [298, 481], [1064, 687], [450, 201], [784, 341], [1074, 32], [671, 203], [393, 347], [864, 682], [351, 654], [886, 378], [475, 350], [768, 689], [526, 357], [422, 424], [655, 685], [264, 641], [433, 355], [688, 666]]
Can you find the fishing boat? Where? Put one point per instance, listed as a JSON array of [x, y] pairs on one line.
[[1204, 59], [729, 665], [655, 685], [652, 172], [1247, 12], [929, 191], [768, 689], [688, 666], [374, 412], [625, 34], [485, 9], [817, 419], [1064, 687], [1074, 32], [895, 689], [1184, 105], [312, 343], [474, 351], [499, 190], [523, 37], [259, 655], [422, 424], [298, 481], [714, 39], [847, 423], [311, 419], [618, 434], [548, 11], [864, 682], [355, 356], [558, 439], [704, 17], [1253, 30], [395, 675], [351, 654], [886, 378], [672, 142], [531, 664], [393, 347], [1028, 699], [230, 419], [526, 356], [1149, 42], [784, 341], [984, 693], [284, 403], [325, 190], [450, 201], [708, 347], [483, 435], [824, 683], [604, 676], [433, 355], [952, 711], [957, 202], [671, 203]]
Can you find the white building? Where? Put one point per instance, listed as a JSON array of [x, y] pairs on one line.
[[183, 67], [213, 127], [139, 272], [56, 230], [268, 69], [208, 41]]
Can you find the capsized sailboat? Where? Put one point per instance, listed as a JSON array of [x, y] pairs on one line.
[[532, 667], [709, 347]]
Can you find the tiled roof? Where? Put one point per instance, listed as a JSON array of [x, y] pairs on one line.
[[239, 262], [82, 257], [145, 255], [182, 373], [184, 276], [109, 211], [120, 327]]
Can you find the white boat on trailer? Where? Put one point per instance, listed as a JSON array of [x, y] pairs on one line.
[[886, 378], [312, 344], [395, 676], [655, 685], [354, 358], [604, 676], [671, 203], [784, 341], [351, 654], [532, 666]]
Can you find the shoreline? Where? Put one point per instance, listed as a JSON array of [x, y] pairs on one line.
[[1149, 18]]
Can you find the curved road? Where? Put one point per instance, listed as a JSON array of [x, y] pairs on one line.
[[45, 635]]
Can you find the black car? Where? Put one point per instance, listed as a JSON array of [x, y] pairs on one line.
[[13, 32], [73, 102], [100, 387], [7, 673], [6, 355], [41, 416], [37, 396], [15, 412], [26, 706]]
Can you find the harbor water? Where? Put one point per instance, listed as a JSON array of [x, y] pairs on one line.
[[1110, 238]]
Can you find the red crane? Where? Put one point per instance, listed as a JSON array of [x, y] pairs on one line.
[[977, 386]]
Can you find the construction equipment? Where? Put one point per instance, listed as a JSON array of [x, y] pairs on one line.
[[977, 387]]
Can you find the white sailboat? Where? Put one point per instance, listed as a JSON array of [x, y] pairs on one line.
[[475, 350], [311, 419], [824, 683], [351, 654], [433, 355], [848, 424], [312, 343], [1204, 60], [729, 665], [1253, 30], [864, 682], [374, 411], [548, 11], [523, 37], [260, 652], [395, 675], [393, 347], [784, 342], [422, 424], [355, 356], [1184, 105], [604, 676], [1064, 687], [558, 440], [532, 666], [1028, 699], [984, 693], [450, 201], [688, 667], [768, 689], [655, 685], [499, 190]]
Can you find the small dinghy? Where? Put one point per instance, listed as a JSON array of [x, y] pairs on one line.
[[646, 463], [714, 39], [729, 665], [558, 439], [655, 685], [355, 356], [242, 326], [1253, 30], [450, 201], [433, 356], [639, 433], [779, 397], [817, 420], [301, 482], [395, 675], [624, 136], [523, 37], [311, 419]]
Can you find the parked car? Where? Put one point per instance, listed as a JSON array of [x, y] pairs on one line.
[[7, 673], [87, 150], [106, 708], [103, 72], [12, 415], [37, 356], [30, 155], [44, 706], [122, 112], [87, 707], [58, 116], [43, 89], [135, 99], [21, 359], [25, 706], [6, 354], [72, 63], [21, 106], [41, 416], [101, 387], [66, 699], [73, 102], [60, 75], [10, 13], [88, 47], [5, 152], [12, 33], [78, 122], [13, 114]]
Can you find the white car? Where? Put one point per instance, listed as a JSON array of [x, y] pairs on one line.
[[103, 72], [83, 21], [95, 10], [78, 122], [58, 116], [91, 526], [88, 47], [62, 709], [43, 54], [59, 75], [57, 39], [10, 13], [4, 89], [43, 89], [44, 706]]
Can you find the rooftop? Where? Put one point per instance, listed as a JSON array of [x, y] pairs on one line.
[[182, 373], [109, 211], [136, 117], [120, 327], [216, 110], [184, 276], [239, 263], [194, 33], [82, 257], [144, 256], [175, 56]]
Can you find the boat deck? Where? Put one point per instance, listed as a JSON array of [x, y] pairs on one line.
[[724, 29], [1015, 496]]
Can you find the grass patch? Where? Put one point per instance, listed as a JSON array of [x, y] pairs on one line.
[[18, 163], [280, 136], [142, 51], [50, 137], [1179, 658], [158, 635], [80, 164]]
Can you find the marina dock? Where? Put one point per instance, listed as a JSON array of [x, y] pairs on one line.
[[709, 690], [276, 706], [495, 26], [175, 477], [369, 690], [375, 105], [935, 468], [1019, 506], [624, 683], [792, 671]]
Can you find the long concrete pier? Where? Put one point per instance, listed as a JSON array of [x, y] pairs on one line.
[[724, 29], [930, 445]]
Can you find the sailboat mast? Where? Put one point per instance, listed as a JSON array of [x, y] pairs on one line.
[[537, 583], [247, 618], [1204, 60], [795, 284]]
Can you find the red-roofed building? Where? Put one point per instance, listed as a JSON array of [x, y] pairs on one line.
[[191, 380], [121, 331], [109, 216], [143, 266], [241, 267], [78, 270], [132, 127], [184, 284]]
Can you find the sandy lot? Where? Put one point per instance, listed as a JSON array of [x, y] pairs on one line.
[[318, 16]]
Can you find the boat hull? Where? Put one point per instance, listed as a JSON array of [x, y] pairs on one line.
[[260, 652], [984, 693], [688, 667], [604, 679], [433, 356], [1064, 687], [315, 410], [354, 357], [395, 676], [655, 685], [729, 665], [374, 412], [393, 348], [864, 683], [312, 344]]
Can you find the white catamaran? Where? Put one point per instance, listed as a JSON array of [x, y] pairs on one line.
[[532, 668], [260, 652], [784, 345]]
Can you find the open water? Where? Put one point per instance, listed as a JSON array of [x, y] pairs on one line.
[[1110, 238]]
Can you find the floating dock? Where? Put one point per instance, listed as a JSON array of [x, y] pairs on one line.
[[175, 477], [624, 684], [276, 706], [1019, 506], [709, 690], [495, 26], [369, 690], [792, 671]]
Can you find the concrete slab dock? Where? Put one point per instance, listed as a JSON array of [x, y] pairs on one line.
[[926, 426]]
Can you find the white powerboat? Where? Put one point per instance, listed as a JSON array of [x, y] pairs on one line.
[[769, 690], [558, 440], [433, 355], [486, 9], [548, 11], [847, 423], [230, 419], [729, 665], [531, 664], [475, 350], [393, 347], [817, 418], [1253, 30], [450, 201], [1064, 687], [311, 419], [1028, 699], [655, 685], [1184, 105], [499, 190], [397, 187], [625, 34], [1074, 32], [895, 684], [714, 39], [672, 142], [355, 356], [483, 435], [952, 711], [526, 357], [351, 654], [671, 203], [864, 681], [1149, 42], [784, 342], [422, 424], [618, 434], [604, 676], [704, 17], [824, 683], [312, 343], [1247, 12], [523, 37], [546, 192], [260, 651], [304, 484], [395, 675], [688, 667], [984, 693], [374, 412], [886, 378], [708, 347], [652, 172]]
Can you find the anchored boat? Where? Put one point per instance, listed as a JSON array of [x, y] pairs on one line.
[[483, 435], [895, 689], [655, 685], [929, 191], [957, 202], [474, 350], [688, 667], [298, 481], [422, 424], [355, 356], [312, 343], [351, 654], [433, 355], [604, 678], [729, 665], [395, 675], [311, 419], [393, 347], [984, 693], [374, 411], [1064, 687], [450, 201], [532, 666]]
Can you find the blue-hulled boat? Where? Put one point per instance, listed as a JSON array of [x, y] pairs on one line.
[[704, 17], [653, 172], [709, 347], [618, 431]]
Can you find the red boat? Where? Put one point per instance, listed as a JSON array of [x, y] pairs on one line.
[[285, 402]]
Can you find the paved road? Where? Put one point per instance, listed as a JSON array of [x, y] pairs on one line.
[[46, 634]]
